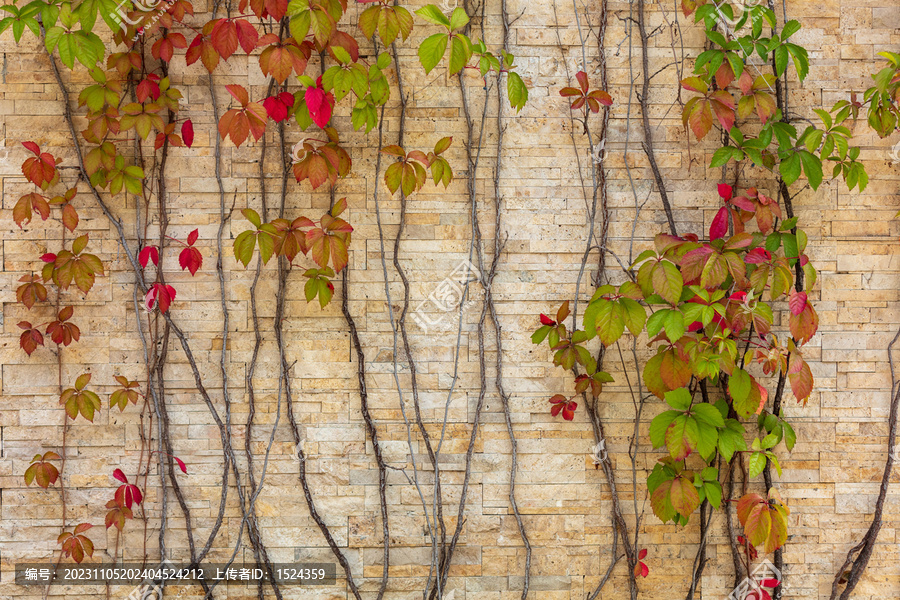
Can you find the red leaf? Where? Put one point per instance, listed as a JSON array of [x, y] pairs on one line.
[[287, 98], [805, 323], [30, 339], [136, 494], [319, 104], [256, 119], [147, 254], [82, 527], [545, 320], [147, 88], [582, 78], [801, 378], [234, 124], [225, 37], [190, 259], [69, 217], [277, 8], [40, 170], [247, 35], [642, 554], [48, 258], [160, 296], [187, 133], [239, 93], [33, 147], [180, 464], [641, 570], [719, 226], [276, 108], [725, 191], [22, 211], [797, 302], [118, 474], [192, 237], [569, 411], [757, 256]]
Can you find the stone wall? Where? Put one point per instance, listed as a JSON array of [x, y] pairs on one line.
[[830, 480]]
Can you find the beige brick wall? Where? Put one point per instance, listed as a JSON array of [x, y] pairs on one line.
[[830, 480]]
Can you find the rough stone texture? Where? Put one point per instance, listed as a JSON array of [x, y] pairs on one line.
[[830, 480]]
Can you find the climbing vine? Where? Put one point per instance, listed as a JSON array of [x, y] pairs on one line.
[[283, 37]]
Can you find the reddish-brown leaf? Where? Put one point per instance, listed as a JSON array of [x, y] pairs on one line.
[[224, 37], [22, 211], [31, 338], [247, 35], [31, 291]]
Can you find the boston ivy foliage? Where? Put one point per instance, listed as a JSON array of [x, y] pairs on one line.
[[133, 97]]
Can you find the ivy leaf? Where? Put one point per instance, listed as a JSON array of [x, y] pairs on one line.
[[698, 114], [122, 396], [77, 266], [159, 296], [278, 107], [190, 259], [801, 378], [679, 399], [764, 524], [30, 338], [31, 291], [460, 53], [433, 14], [739, 389], [719, 226], [80, 401], [731, 439], [634, 315], [117, 515], [69, 217], [659, 425], [667, 281], [781, 59], [790, 437], [721, 157], [756, 464], [812, 166], [800, 58], [22, 211], [676, 496], [708, 414], [458, 19], [610, 322], [675, 369], [42, 471], [674, 325], [320, 105], [432, 50], [682, 437], [76, 545], [790, 168], [516, 91], [147, 254]]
